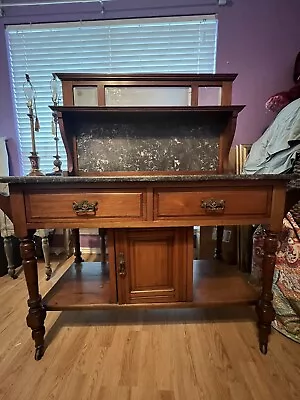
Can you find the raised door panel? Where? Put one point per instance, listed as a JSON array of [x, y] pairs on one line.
[[152, 265]]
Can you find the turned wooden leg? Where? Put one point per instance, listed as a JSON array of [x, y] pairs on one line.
[[218, 249], [77, 252], [68, 242], [264, 309], [8, 248], [37, 313], [102, 234], [46, 253]]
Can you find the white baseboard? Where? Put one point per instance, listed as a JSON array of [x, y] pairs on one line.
[[90, 250]]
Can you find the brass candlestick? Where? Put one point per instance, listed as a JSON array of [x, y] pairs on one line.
[[34, 125], [54, 86]]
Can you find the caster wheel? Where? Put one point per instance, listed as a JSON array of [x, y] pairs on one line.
[[39, 352], [48, 277], [263, 348]]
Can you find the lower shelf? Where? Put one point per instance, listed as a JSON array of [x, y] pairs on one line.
[[82, 285], [87, 286], [216, 283]]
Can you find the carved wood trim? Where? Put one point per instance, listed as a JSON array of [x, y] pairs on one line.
[[226, 140], [68, 146]]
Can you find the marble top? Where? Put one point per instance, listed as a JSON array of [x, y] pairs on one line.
[[143, 178]]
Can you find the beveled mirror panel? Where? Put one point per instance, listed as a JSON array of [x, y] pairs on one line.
[[209, 96], [85, 95], [147, 96]]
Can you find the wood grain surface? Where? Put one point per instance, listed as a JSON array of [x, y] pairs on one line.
[[140, 354]]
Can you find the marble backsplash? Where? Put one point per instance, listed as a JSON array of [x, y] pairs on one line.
[[152, 143]]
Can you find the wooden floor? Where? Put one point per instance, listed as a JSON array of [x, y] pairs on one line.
[[141, 354]]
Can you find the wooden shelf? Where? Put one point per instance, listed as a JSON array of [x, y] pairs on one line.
[[81, 76], [216, 283], [235, 109], [84, 285], [87, 286]]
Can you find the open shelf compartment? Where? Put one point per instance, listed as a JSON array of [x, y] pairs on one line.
[[88, 285], [216, 284], [81, 286]]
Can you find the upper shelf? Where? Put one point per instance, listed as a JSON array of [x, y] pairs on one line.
[[186, 109], [146, 77]]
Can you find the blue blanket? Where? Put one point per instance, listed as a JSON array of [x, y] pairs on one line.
[[276, 150]]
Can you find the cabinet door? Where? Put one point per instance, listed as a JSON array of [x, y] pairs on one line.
[[153, 265]]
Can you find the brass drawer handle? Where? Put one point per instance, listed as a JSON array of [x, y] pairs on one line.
[[85, 207], [122, 266], [212, 205]]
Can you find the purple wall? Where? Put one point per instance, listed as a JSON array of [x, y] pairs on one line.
[[7, 115], [257, 39]]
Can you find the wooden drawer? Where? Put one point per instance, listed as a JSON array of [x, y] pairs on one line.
[[109, 205], [191, 203]]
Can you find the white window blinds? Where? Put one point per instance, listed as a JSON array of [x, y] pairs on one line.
[[181, 44]]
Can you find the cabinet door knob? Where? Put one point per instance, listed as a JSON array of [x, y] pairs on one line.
[[213, 205], [85, 207], [122, 265]]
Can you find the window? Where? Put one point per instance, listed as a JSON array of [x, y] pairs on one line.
[[185, 44]]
